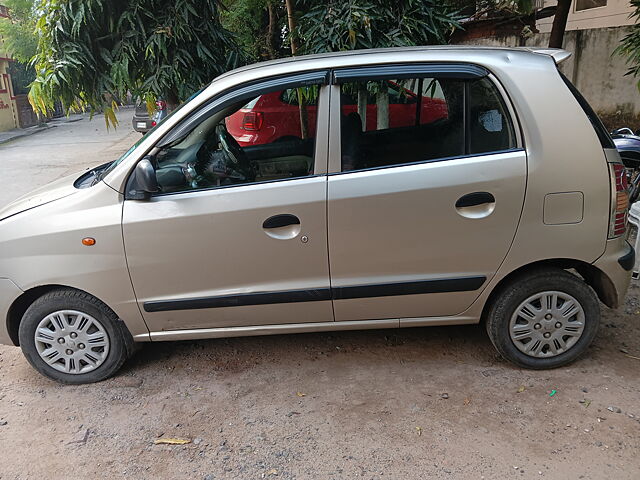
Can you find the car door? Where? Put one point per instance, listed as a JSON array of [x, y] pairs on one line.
[[226, 248], [421, 215]]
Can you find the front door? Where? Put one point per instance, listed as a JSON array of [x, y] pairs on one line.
[[422, 209], [237, 237]]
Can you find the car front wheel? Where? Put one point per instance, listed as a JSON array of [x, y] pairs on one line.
[[72, 337], [543, 319]]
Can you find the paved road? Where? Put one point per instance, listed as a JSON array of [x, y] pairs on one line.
[[30, 162], [368, 405]]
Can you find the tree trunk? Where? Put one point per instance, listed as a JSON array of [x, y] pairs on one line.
[[172, 99], [272, 29], [362, 105], [559, 24], [294, 49], [292, 27], [382, 105]]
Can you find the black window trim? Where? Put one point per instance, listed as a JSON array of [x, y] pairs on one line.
[[453, 70]]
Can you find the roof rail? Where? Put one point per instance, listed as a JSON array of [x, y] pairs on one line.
[[558, 54]]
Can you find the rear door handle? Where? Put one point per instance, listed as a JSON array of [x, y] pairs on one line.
[[279, 221], [474, 199]]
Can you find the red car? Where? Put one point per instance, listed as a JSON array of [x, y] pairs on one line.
[[276, 115]]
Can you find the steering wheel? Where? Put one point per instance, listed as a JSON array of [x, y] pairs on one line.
[[231, 147]]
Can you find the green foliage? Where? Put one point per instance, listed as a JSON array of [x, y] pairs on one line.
[[630, 45], [21, 77], [336, 25], [258, 26], [92, 52], [18, 33]]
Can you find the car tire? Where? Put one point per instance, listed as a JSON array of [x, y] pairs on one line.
[[83, 339], [552, 336]]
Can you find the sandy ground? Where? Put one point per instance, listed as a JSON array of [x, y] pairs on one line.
[[410, 404]]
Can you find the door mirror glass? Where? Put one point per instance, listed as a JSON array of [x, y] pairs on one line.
[[143, 182]]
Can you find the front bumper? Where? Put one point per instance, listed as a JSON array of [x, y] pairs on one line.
[[9, 291]]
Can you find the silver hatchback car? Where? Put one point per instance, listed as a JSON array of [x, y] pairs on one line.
[[356, 190]]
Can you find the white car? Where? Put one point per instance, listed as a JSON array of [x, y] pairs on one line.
[[479, 212]]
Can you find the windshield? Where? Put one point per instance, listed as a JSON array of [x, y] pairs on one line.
[[126, 154], [117, 162]]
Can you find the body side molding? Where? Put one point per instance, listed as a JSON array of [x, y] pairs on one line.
[[441, 285]]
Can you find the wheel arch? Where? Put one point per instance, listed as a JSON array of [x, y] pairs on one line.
[[592, 276], [21, 304]]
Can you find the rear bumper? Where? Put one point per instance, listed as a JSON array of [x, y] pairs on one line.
[[9, 291], [138, 121], [616, 263]]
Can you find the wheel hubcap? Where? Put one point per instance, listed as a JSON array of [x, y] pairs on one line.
[[547, 324], [71, 341]]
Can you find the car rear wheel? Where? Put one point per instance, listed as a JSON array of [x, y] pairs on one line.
[[72, 337], [543, 319]]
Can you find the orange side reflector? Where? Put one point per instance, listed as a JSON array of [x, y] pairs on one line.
[[88, 241]]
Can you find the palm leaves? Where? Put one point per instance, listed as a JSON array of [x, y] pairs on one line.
[[93, 52], [336, 25]]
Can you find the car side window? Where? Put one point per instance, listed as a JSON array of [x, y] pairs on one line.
[[270, 137], [394, 122], [490, 127]]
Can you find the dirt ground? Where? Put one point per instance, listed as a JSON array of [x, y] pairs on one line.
[[390, 404]]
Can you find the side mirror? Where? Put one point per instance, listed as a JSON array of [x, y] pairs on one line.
[[142, 182]]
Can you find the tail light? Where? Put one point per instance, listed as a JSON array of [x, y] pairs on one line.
[[619, 200], [252, 121], [161, 104]]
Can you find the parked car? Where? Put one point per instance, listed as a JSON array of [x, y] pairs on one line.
[[628, 145], [469, 207], [275, 115], [142, 121]]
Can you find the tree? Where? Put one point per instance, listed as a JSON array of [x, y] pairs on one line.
[[559, 23], [630, 44], [335, 25], [258, 26], [20, 41], [92, 52], [17, 31]]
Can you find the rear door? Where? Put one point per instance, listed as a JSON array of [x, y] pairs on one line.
[[420, 216]]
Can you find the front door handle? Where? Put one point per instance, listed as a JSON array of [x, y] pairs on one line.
[[474, 199], [279, 221]]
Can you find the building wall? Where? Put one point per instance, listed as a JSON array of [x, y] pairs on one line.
[[8, 109], [592, 67], [8, 113], [614, 14]]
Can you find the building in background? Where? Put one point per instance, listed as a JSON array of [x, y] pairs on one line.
[[589, 14], [8, 111], [594, 30]]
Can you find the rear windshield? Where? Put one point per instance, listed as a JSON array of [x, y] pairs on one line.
[[603, 135]]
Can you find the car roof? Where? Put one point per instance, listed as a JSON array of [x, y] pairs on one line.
[[395, 54]]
